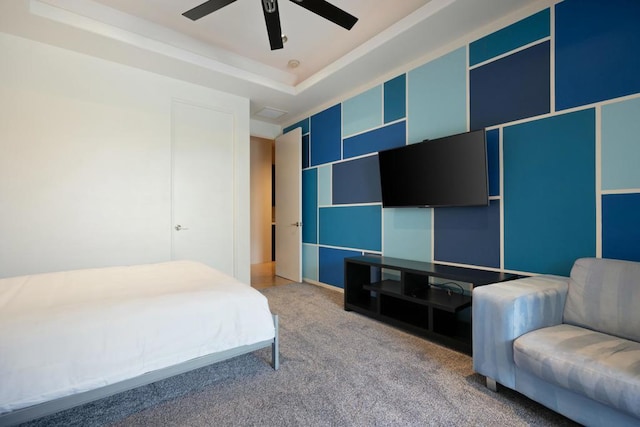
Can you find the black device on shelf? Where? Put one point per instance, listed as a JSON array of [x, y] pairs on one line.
[[449, 171], [409, 300]]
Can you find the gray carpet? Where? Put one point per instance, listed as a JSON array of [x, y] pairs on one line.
[[337, 369]]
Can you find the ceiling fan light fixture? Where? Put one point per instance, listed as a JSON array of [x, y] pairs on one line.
[[293, 63]]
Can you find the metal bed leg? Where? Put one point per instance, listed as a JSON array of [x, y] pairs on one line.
[[275, 347]]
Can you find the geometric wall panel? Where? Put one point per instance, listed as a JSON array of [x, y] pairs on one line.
[[352, 227], [324, 185], [326, 136], [383, 138], [621, 145], [305, 151], [310, 262], [395, 98], [511, 88], [304, 124], [332, 265], [523, 32], [407, 233], [356, 181], [310, 205], [621, 226], [549, 193], [437, 97], [596, 46], [493, 161], [362, 112], [468, 235]]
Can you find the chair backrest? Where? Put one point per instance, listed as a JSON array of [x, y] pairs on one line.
[[604, 295]]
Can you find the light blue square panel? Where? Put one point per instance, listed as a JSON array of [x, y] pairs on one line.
[[326, 136], [407, 233], [621, 145], [324, 185], [437, 97], [358, 227], [362, 112], [395, 99], [596, 47], [523, 32], [332, 265], [549, 193], [310, 205], [621, 226], [468, 235], [310, 262]]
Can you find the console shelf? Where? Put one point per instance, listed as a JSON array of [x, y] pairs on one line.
[[411, 301]]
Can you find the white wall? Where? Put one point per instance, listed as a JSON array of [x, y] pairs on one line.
[[261, 203], [85, 161]]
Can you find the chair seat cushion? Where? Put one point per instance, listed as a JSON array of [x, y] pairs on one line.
[[603, 367]]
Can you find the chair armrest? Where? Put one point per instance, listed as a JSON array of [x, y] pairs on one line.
[[502, 312]]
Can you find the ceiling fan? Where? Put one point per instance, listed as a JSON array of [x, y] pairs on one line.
[[272, 15]]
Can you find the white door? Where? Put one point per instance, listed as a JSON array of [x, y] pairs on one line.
[[203, 186], [289, 205]]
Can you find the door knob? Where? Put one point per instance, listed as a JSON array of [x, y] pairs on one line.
[[180, 228], [297, 224]]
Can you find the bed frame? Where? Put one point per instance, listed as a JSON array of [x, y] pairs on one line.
[[47, 408]]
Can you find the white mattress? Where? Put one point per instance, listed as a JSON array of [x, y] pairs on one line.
[[68, 332]]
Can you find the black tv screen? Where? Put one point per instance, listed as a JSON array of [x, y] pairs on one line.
[[449, 171]]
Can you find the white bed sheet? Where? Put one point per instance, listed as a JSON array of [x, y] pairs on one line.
[[68, 332]]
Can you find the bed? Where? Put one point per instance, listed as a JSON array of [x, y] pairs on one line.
[[71, 337]]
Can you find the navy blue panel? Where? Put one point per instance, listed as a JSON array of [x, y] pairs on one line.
[[621, 226], [304, 124], [356, 181], [310, 205], [469, 235], [386, 137], [326, 136], [395, 99], [511, 88], [597, 45], [305, 151], [332, 265], [493, 160]]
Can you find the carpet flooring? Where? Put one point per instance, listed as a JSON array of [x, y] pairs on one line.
[[337, 369]]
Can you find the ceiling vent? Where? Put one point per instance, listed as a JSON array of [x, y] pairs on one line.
[[270, 113]]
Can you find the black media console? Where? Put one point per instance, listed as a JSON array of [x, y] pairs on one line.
[[412, 300]]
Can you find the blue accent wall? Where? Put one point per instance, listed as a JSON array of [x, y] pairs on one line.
[[309, 206], [563, 183]]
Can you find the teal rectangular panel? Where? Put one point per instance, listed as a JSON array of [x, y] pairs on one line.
[[324, 185], [390, 136], [362, 112], [549, 193], [395, 99], [310, 262], [523, 32], [621, 145], [310, 205], [332, 265], [352, 227], [437, 97], [304, 124], [407, 233]]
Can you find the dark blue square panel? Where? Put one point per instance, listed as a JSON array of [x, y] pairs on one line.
[[310, 205], [597, 45], [356, 181], [326, 136], [512, 88], [332, 265], [621, 226], [549, 193], [469, 235]]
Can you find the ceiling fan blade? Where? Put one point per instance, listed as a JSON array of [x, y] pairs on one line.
[[206, 8], [329, 11], [272, 19]]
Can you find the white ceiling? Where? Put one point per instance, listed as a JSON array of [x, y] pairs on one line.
[[229, 49]]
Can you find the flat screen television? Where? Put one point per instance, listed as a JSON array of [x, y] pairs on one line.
[[449, 171]]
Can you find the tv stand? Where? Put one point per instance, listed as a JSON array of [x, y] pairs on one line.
[[411, 300]]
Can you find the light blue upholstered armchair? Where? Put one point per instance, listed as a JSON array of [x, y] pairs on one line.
[[570, 343]]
